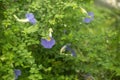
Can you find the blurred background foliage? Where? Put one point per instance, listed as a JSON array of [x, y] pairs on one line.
[[96, 43]]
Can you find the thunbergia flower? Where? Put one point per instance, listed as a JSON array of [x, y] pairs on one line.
[[63, 49], [91, 14], [89, 18], [50, 42], [73, 53], [46, 43], [29, 18], [68, 48], [17, 73]]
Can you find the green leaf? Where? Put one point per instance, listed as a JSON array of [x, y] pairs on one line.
[[30, 29]]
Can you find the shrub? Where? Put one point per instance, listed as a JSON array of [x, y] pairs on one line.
[[92, 40]]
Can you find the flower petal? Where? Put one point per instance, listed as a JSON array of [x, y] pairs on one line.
[[47, 44], [87, 20], [52, 42], [29, 15], [68, 48], [17, 73], [44, 43], [31, 18], [91, 14], [73, 53], [33, 21]]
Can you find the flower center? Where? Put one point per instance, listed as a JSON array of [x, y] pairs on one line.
[[48, 39]]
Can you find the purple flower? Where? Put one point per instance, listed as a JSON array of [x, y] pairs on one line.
[[31, 18], [89, 18], [17, 73], [73, 53], [48, 43], [68, 48], [91, 14]]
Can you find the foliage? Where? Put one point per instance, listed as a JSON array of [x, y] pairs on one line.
[[95, 43]]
